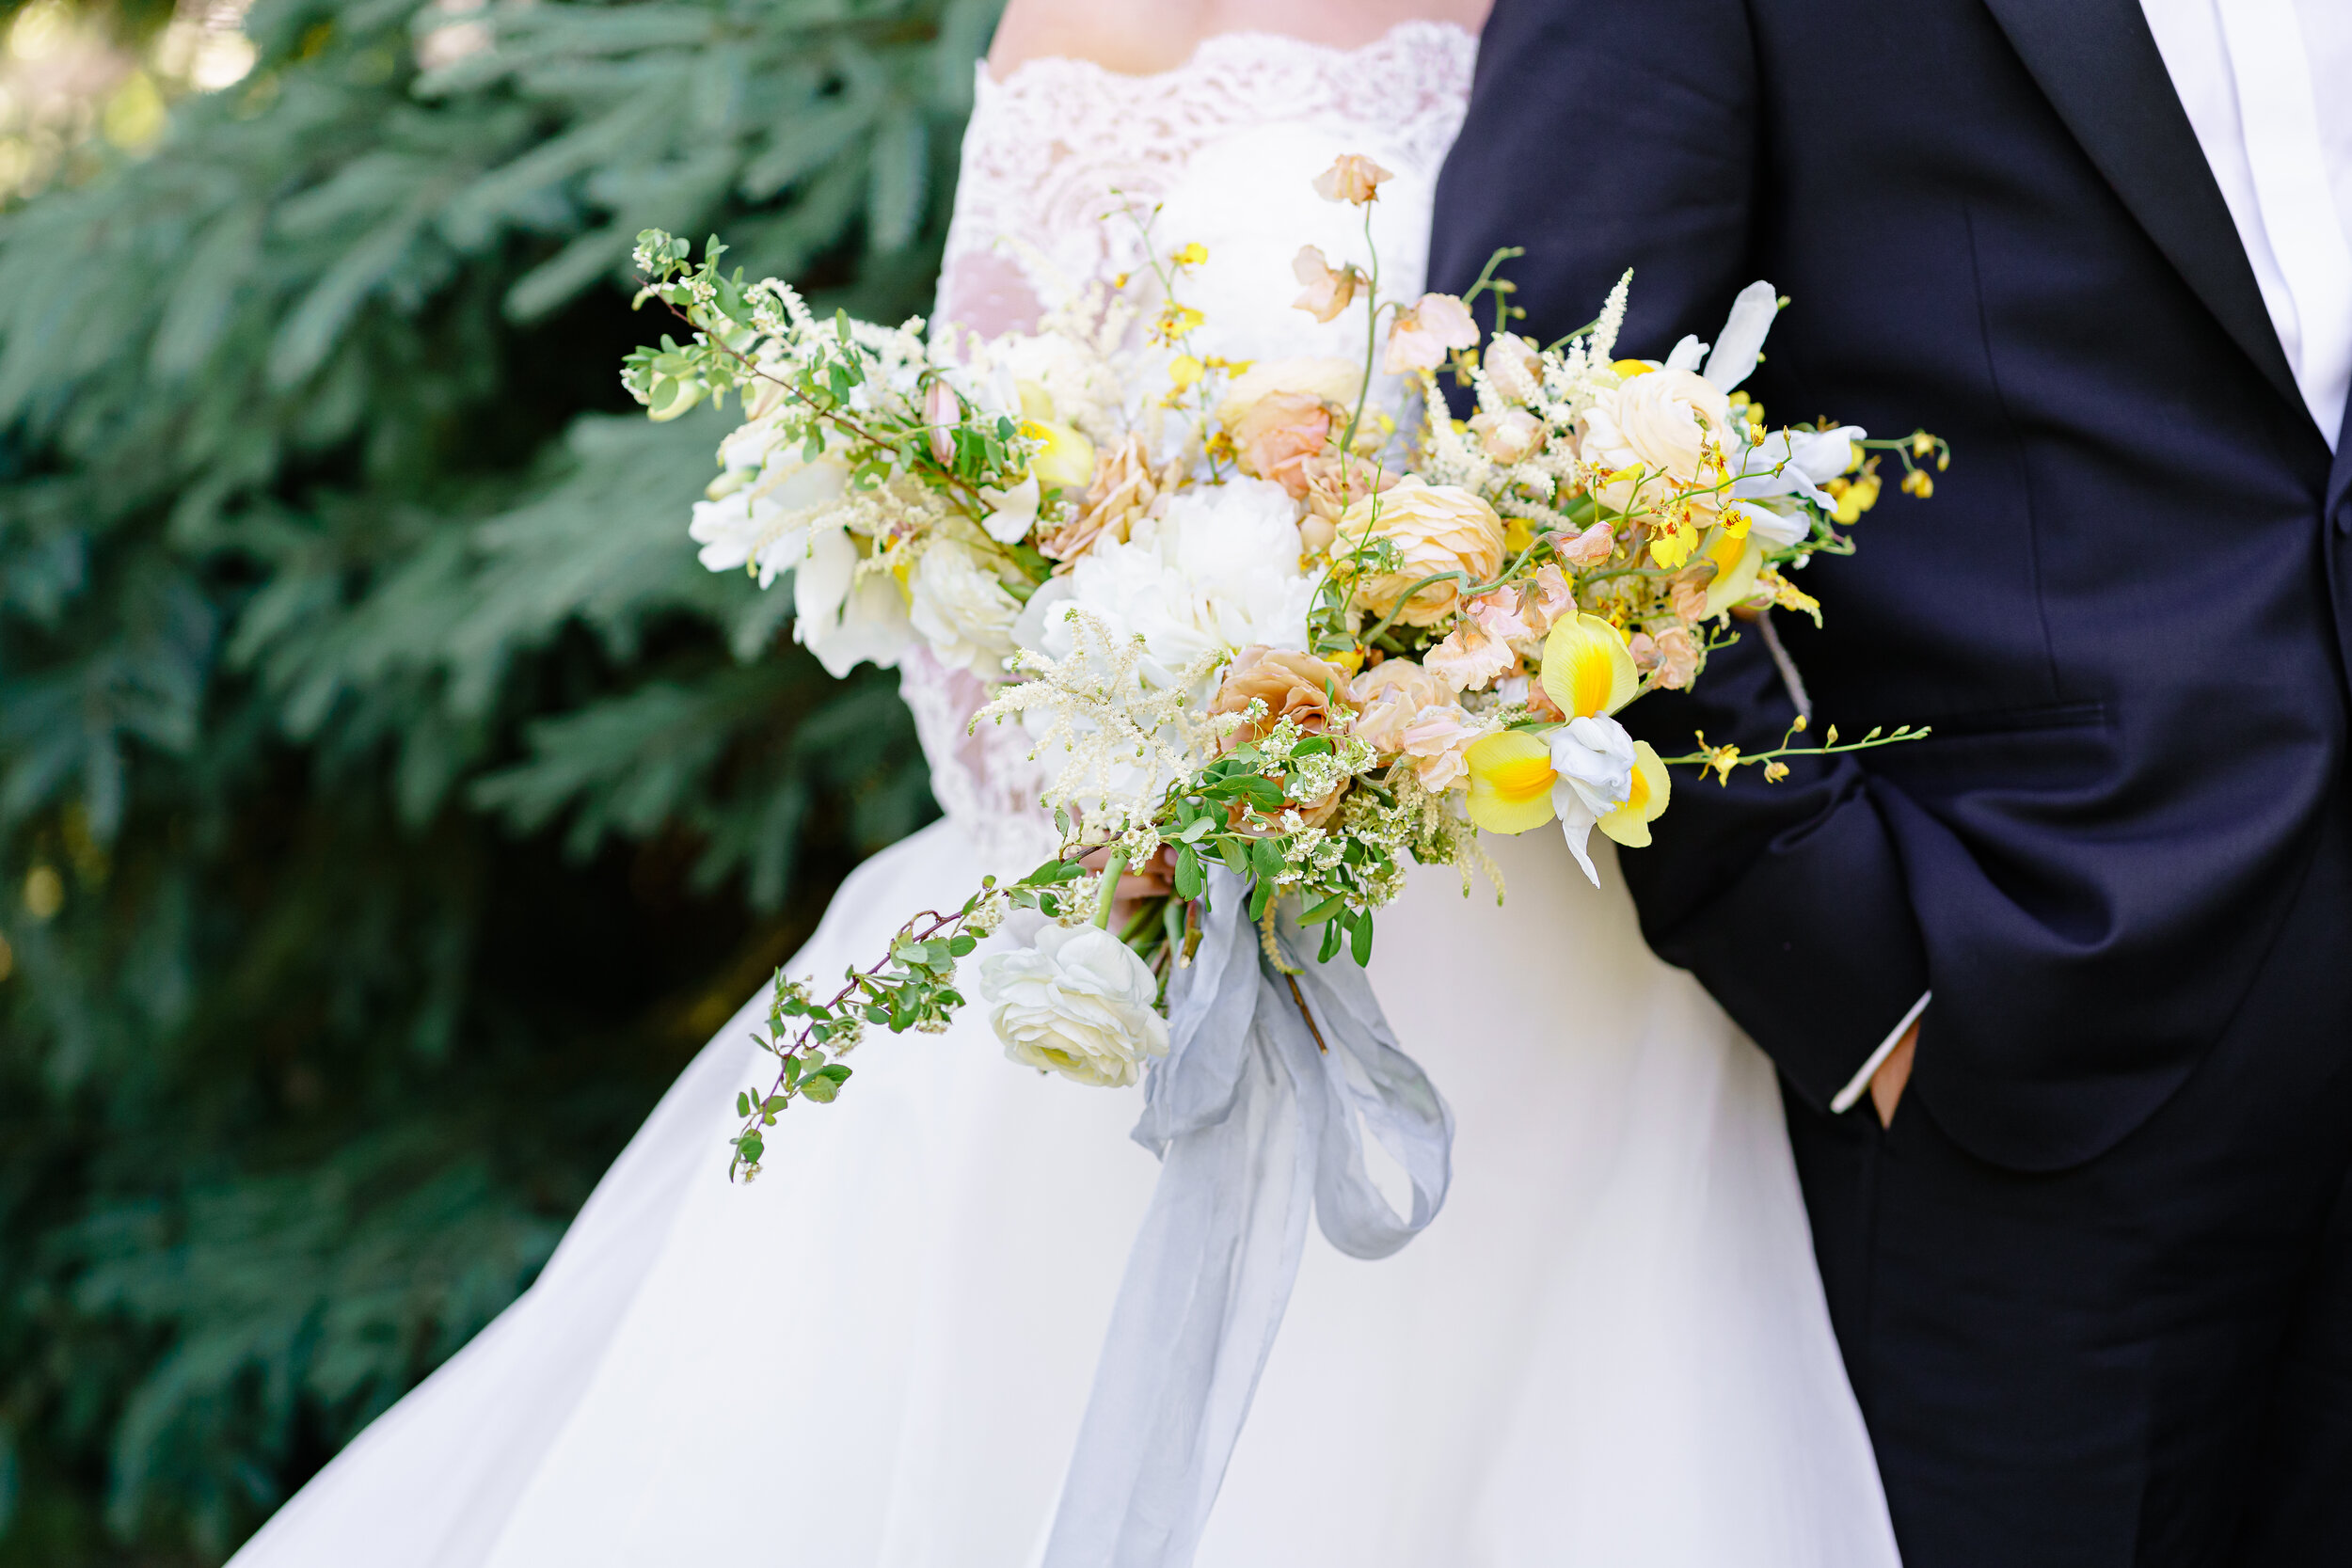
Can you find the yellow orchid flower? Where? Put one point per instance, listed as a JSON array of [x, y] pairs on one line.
[[1737, 562], [1587, 668], [1066, 461], [1510, 781], [1652, 791]]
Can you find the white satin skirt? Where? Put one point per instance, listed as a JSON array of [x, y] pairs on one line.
[[1611, 1349]]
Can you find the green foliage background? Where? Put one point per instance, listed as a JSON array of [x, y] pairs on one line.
[[418, 804]]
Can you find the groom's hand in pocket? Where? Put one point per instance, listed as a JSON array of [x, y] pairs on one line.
[[1886, 1084]]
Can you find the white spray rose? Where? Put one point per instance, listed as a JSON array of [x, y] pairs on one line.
[[1079, 1004], [765, 506], [963, 610], [844, 616]]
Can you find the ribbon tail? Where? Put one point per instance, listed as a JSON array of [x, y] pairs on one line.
[[1203, 1296]]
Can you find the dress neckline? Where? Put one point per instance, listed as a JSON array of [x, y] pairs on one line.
[[1210, 52]]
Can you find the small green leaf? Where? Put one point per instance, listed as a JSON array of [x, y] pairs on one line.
[[743, 1103], [1188, 880], [963, 946], [1361, 944]]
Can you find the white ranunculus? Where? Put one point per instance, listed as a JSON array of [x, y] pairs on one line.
[[1218, 572], [963, 610], [1659, 420], [1078, 1002], [763, 519], [841, 615], [1594, 760]]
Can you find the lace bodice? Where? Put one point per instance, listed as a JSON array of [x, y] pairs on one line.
[[1224, 147]]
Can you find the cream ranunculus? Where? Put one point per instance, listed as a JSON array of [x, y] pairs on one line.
[[1326, 377], [1659, 421], [1078, 1002], [963, 610], [1439, 528]]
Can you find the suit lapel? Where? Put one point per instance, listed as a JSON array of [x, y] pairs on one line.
[[2098, 65]]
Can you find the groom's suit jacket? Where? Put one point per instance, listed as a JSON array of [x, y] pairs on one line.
[[2123, 609]]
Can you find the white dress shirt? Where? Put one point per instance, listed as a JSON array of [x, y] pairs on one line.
[[2268, 85]]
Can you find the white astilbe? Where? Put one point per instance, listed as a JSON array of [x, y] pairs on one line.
[[1126, 741]]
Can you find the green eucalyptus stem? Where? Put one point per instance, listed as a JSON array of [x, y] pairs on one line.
[[1113, 869]]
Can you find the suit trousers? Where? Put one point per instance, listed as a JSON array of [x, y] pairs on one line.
[[2143, 1360]]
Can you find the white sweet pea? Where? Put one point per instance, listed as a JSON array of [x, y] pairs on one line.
[[1012, 512], [963, 610], [1796, 463], [842, 616], [1740, 344], [1595, 759], [1778, 530], [1078, 1002]]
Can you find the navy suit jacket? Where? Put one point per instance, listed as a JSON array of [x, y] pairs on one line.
[[2120, 609]]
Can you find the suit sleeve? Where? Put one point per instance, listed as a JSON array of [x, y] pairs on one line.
[[1602, 136]]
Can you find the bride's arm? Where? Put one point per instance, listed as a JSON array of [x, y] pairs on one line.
[[1141, 37]]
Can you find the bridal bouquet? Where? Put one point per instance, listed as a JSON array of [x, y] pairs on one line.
[[1252, 615]]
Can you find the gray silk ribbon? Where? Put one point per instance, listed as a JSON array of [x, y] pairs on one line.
[[1254, 1124]]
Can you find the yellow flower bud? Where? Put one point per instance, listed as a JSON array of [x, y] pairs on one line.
[[1191, 255]]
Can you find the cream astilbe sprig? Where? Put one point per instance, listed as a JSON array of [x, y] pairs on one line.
[[1123, 739]]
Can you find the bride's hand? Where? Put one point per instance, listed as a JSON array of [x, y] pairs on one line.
[[1886, 1084]]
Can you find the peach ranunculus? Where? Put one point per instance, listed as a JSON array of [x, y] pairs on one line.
[[1292, 686], [1424, 332], [1660, 420], [1514, 436], [1433, 528], [1388, 697], [1279, 433], [1351, 177], [1327, 289], [1514, 368]]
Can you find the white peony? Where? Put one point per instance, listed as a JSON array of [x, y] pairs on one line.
[[1218, 572], [764, 507], [842, 615], [1079, 1004], [963, 609]]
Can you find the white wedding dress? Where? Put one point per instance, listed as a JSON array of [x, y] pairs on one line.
[[1610, 1349]]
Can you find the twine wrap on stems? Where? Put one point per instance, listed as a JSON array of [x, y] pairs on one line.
[[1255, 1124]]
